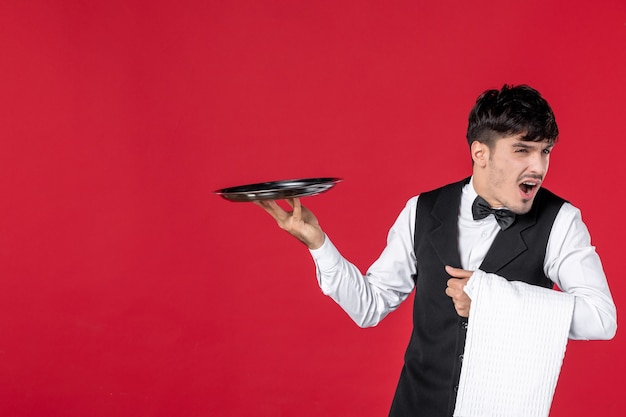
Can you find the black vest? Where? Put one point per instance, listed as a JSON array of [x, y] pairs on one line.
[[432, 363]]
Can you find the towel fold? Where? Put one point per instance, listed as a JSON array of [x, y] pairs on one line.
[[516, 339]]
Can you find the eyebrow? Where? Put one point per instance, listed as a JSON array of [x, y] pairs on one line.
[[522, 145], [525, 145]]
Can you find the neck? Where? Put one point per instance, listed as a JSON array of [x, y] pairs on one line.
[[482, 190]]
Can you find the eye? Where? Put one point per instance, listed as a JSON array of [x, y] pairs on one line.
[[547, 151], [521, 150]]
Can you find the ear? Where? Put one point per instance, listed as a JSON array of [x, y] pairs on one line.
[[480, 153]]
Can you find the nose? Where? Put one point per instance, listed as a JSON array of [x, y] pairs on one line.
[[539, 163]]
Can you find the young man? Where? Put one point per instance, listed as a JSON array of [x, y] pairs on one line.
[[498, 221]]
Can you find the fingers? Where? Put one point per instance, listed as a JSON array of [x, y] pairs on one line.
[[299, 222], [272, 208], [454, 285], [462, 302], [458, 272], [296, 205], [282, 216], [266, 204], [455, 289]]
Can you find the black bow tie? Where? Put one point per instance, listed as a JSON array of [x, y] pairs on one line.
[[481, 209]]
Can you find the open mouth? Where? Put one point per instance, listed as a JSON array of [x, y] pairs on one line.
[[528, 187]]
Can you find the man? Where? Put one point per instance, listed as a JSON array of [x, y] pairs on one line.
[[441, 237]]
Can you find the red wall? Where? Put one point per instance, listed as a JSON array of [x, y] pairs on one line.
[[129, 289]]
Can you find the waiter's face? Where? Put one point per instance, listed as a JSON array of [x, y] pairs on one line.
[[512, 172]]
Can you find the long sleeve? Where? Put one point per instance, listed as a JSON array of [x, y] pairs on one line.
[[575, 267], [368, 299]]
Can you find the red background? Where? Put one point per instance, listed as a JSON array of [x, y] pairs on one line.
[[129, 289]]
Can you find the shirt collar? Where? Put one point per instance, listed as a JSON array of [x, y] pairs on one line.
[[469, 193]]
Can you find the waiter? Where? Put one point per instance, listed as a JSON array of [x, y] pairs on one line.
[[500, 221]]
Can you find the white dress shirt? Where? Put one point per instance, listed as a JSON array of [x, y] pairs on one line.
[[570, 262]]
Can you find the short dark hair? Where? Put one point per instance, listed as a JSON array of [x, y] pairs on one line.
[[513, 110]]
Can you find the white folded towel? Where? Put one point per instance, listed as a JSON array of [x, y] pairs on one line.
[[516, 339]]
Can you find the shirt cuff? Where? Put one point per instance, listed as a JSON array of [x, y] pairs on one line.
[[472, 282], [327, 256]]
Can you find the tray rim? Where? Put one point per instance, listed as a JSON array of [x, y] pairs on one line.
[[301, 187]]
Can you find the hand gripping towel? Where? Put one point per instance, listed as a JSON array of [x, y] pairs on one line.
[[516, 339]]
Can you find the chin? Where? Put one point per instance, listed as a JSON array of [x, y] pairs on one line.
[[523, 208]]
